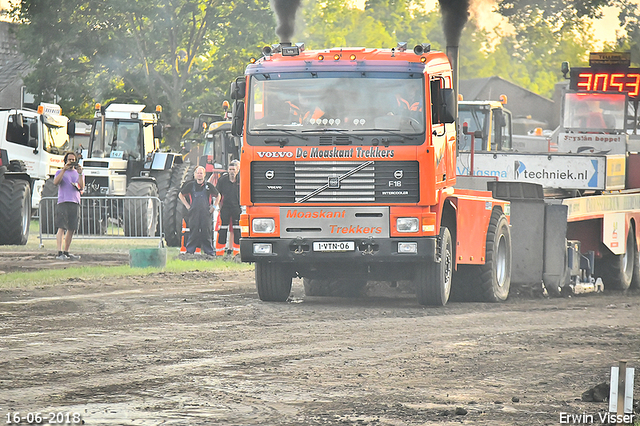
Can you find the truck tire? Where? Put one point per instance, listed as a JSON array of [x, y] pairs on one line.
[[433, 279], [48, 207], [140, 216], [15, 212], [172, 224], [495, 274], [334, 288], [635, 281], [273, 282], [616, 270]]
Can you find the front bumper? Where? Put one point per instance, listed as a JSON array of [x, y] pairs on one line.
[[367, 251]]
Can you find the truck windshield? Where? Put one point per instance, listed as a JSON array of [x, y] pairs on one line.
[[589, 112], [475, 119], [354, 102], [56, 140], [121, 140]]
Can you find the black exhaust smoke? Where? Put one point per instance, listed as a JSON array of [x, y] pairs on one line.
[[455, 14], [286, 16]]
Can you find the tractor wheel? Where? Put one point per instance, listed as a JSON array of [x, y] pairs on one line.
[[140, 216], [179, 174], [48, 207], [616, 270], [163, 182], [495, 274], [15, 211], [433, 280], [172, 223], [273, 282]]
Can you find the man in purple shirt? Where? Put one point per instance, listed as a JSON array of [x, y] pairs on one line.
[[70, 183]]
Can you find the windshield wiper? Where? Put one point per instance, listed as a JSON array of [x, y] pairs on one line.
[[288, 132], [323, 130], [391, 132]]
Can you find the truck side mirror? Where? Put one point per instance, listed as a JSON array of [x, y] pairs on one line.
[[158, 131], [71, 128], [448, 107], [238, 88], [33, 130], [237, 118]]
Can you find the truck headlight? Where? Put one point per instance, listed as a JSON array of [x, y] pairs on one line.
[[407, 224], [262, 248], [263, 225]]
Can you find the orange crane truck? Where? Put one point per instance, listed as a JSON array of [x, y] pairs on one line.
[[348, 173]]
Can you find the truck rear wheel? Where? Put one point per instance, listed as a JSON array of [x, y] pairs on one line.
[[15, 211], [433, 280], [140, 216], [495, 274], [273, 282], [616, 270], [635, 280]]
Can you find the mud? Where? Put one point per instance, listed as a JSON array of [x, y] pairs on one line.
[[200, 348]]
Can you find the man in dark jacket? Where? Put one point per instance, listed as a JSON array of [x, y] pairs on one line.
[[200, 198], [229, 188]]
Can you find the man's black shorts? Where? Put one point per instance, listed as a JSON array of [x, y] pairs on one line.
[[67, 216]]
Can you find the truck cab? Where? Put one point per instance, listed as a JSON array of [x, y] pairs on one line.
[[37, 139]]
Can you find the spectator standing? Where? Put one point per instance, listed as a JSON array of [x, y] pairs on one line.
[[229, 188], [70, 184], [200, 198]]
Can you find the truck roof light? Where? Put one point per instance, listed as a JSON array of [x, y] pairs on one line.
[[460, 97], [321, 57], [158, 108], [503, 99], [336, 56], [98, 107], [423, 59], [402, 46], [252, 60], [352, 56]]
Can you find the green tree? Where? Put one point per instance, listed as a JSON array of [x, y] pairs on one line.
[[166, 52]]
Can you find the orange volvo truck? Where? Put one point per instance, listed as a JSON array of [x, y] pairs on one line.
[[348, 172]]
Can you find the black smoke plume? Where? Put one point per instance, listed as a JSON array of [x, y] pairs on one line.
[[455, 14], [286, 15]]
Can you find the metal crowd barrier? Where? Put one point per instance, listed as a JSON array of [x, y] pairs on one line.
[[101, 218]]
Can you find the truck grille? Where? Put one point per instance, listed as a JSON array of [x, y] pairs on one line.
[[375, 182]]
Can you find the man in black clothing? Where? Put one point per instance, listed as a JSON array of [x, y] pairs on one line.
[[229, 188], [200, 198]]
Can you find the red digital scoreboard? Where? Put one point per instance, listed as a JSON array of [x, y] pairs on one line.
[[604, 80]]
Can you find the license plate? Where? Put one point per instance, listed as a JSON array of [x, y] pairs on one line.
[[334, 246]]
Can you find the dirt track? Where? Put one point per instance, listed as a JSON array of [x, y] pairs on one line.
[[200, 348]]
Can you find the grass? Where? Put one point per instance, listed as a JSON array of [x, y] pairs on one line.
[[58, 276]]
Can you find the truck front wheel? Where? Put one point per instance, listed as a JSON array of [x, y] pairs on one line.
[[433, 280], [273, 282]]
